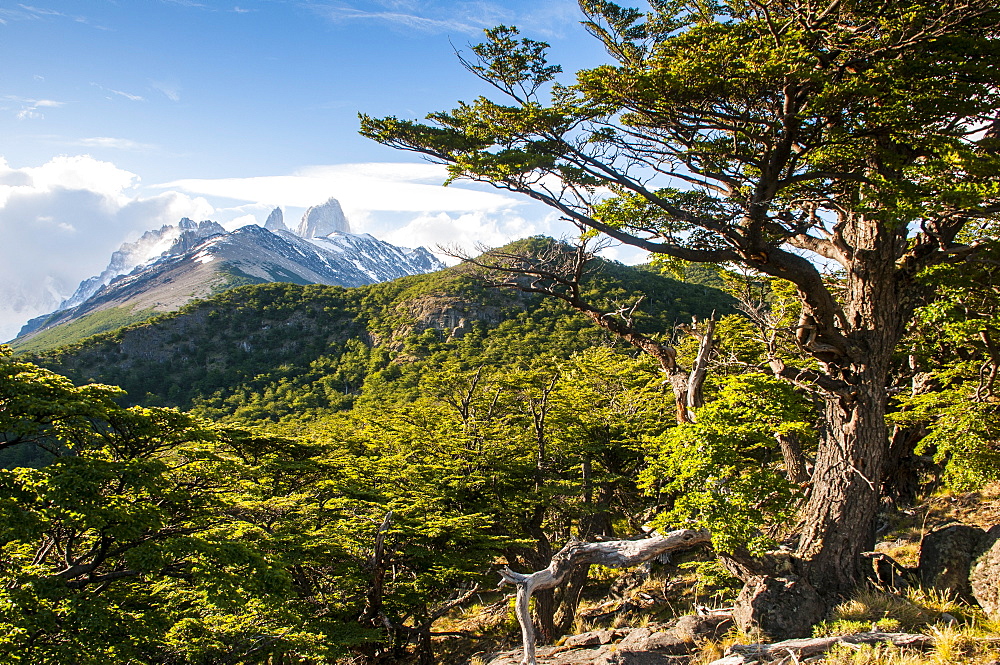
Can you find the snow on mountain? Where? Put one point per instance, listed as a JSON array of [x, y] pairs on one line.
[[168, 267], [168, 239], [379, 260], [343, 259]]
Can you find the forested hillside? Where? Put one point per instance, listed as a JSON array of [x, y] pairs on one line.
[[474, 425], [278, 350]]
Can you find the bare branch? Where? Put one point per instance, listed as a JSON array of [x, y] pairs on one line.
[[612, 553]]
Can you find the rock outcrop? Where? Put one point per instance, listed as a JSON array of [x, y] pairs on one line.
[[947, 556], [452, 316], [192, 235], [984, 579], [275, 221]]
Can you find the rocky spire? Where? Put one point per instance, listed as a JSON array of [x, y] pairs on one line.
[[322, 220], [275, 221]]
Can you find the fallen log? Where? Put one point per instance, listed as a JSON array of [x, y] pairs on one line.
[[739, 654], [612, 553]]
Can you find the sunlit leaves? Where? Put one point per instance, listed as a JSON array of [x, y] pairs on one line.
[[769, 112], [724, 470], [518, 67]]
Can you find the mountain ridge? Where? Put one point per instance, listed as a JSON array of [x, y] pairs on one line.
[[203, 259]]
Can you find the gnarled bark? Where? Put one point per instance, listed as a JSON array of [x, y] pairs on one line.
[[614, 554], [796, 466]]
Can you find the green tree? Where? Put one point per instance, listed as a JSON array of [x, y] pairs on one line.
[[863, 134], [726, 472], [152, 536], [951, 399]]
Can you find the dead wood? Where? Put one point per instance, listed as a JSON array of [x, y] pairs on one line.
[[613, 554], [804, 648]]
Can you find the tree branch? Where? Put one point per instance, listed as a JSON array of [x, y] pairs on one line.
[[613, 554]]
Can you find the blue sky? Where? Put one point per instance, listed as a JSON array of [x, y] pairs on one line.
[[206, 89], [122, 115]]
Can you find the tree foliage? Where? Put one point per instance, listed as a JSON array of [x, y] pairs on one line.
[[776, 137]]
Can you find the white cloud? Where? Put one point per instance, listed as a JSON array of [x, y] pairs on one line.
[[551, 19], [405, 20], [386, 187], [187, 3], [28, 108], [69, 173], [169, 89], [242, 220], [467, 231], [403, 203], [547, 17], [59, 223], [127, 95], [115, 143], [29, 13]]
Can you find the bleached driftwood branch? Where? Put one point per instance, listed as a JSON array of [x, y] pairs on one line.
[[612, 553], [743, 654]]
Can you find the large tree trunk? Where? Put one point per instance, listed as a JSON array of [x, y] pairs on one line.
[[840, 514], [838, 519], [786, 593]]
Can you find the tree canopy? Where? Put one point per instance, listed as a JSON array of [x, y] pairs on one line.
[[784, 137]]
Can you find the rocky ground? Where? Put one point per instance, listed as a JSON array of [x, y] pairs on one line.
[[948, 546], [654, 644]]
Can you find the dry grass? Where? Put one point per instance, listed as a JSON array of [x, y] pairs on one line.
[[905, 550], [951, 647], [875, 609], [981, 509], [956, 641], [968, 639], [866, 654], [710, 650], [918, 610]]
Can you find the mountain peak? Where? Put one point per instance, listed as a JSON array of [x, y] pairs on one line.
[[275, 221], [167, 240], [192, 260], [324, 219]]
